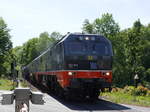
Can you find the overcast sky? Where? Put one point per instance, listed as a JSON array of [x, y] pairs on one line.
[[29, 18]]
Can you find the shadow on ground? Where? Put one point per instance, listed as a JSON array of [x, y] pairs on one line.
[[98, 105]]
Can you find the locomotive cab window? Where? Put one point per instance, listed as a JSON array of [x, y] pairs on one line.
[[101, 49], [76, 47]]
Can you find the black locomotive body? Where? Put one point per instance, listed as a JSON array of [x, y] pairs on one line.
[[80, 62]]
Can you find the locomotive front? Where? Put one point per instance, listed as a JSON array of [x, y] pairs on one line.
[[88, 62]]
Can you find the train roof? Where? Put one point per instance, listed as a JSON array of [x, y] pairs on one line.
[[78, 34]]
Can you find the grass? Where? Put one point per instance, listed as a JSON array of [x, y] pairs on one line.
[[24, 84], [123, 98], [6, 84]]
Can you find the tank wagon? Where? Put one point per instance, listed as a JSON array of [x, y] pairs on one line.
[[78, 64]]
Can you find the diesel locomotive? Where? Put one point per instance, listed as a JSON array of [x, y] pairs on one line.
[[78, 64]]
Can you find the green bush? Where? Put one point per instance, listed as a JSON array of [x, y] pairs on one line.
[[128, 90], [24, 84], [148, 93], [146, 84], [139, 91], [142, 91], [5, 84], [116, 89]]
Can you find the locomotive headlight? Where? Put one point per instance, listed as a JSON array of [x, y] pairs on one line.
[[70, 73], [86, 38], [107, 73]]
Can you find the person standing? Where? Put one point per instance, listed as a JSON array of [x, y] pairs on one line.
[[24, 107], [136, 79]]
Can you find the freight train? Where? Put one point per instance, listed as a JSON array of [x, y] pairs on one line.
[[78, 64]]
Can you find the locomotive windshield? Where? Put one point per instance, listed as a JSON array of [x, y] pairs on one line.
[[76, 48], [88, 48], [100, 48]]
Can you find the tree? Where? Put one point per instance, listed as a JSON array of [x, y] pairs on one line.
[[29, 51], [34, 47], [55, 36], [5, 44], [106, 25], [134, 47], [43, 42], [119, 64], [88, 27]]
